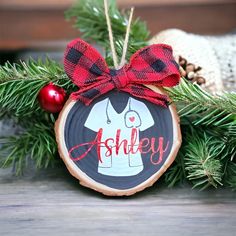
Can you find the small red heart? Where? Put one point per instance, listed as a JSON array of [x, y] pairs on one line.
[[132, 119]]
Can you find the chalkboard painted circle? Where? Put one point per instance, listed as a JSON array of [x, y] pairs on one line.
[[119, 144]]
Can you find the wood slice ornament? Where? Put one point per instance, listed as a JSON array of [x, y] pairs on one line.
[[117, 134]]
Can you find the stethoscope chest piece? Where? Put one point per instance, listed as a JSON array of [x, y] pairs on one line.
[[132, 119]]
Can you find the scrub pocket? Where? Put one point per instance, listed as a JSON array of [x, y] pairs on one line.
[[135, 159], [106, 160]]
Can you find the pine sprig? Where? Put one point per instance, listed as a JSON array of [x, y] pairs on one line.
[[216, 114], [192, 99], [202, 161], [42, 70], [211, 115], [21, 83], [36, 143], [230, 175], [90, 21], [176, 174], [20, 97], [19, 88]]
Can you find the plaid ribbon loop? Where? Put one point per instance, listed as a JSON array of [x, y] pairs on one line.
[[151, 65]]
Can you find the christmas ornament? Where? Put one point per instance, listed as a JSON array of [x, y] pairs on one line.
[[52, 98], [216, 55], [118, 134]]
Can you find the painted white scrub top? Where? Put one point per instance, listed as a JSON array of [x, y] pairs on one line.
[[135, 115]]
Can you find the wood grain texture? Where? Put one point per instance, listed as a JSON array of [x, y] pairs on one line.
[[53, 203]]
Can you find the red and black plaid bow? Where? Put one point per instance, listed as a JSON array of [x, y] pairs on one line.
[[152, 65]]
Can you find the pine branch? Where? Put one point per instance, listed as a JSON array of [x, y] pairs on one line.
[[42, 70], [176, 174], [19, 87], [90, 20], [198, 140], [191, 99], [230, 174], [36, 143], [214, 114], [20, 84], [202, 162]]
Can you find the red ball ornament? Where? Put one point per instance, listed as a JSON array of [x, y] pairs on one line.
[[52, 98]]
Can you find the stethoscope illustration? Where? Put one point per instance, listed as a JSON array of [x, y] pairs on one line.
[[131, 117]]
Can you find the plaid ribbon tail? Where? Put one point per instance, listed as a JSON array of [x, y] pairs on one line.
[[145, 93], [88, 94]]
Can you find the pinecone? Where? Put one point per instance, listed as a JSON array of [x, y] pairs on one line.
[[190, 71]]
